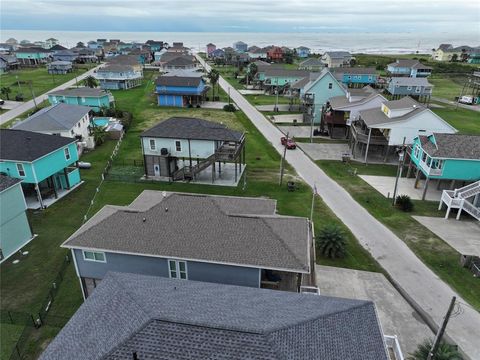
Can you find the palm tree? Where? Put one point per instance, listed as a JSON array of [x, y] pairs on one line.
[[90, 82], [445, 351], [331, 242], [6, 92], [99, 135], [213, 76]]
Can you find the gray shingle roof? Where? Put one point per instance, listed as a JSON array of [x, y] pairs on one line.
[[311, 62], [409, 63], [453, 146], [338, 54], [404, 103], [274, 71], [115, 68], [410, 81], [58, 117], [375, 117], [183, 81], [27, 145], [192, 128], [7, 181], [80, 92], [162, 318], [342, 103], [354, 70], [212, 228], [180, 61]]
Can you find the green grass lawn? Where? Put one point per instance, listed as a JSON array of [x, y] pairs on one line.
[[433, 251], [42, 81], [263, 99], [445, 86], [9, 335], [464, 120], [25, 285]]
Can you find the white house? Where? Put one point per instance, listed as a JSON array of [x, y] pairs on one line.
[[64, 120]]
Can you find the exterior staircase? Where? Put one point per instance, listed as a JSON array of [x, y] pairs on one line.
[[465, 199], [189, 172]]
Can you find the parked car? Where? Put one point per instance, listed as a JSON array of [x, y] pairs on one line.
[[466, 99], [289, 143]]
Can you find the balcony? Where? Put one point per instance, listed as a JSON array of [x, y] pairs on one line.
[[361, 135], [428, 170]]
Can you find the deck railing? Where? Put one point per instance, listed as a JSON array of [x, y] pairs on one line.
[[428, 170], [393, 347], [362, 137]]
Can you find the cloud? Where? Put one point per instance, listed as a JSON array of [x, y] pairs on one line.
[[241, 15]]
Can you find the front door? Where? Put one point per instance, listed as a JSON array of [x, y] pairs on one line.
[[156, 169]]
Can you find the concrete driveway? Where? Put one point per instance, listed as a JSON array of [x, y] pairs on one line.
[[324, 151], [396, 315], [385, 185], [424, 287], [462, 235], [10, 104]]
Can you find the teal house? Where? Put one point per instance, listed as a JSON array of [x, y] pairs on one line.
[[451, 157], [45, 163], [274, 76], [33, 56], [15, 229], [317, 92], [93, 97]]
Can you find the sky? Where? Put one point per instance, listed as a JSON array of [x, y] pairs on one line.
[[379, 16]]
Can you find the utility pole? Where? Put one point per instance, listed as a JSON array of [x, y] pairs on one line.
[[33, 94], [276, 98], [229, 95], [282, 162], [18, 83], [401, 157], [441, 331], [313, 201]]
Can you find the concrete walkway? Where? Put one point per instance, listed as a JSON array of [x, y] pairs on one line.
[[415, 279], [396, 315], [17, 111]]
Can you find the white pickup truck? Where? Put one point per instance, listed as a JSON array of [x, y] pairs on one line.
[[466, 99]]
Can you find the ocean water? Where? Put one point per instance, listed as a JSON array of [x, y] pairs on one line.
[[391, 43]]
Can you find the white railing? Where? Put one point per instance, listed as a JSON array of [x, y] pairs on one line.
[[448, 197], [393, 347], [469, 190], [471, 209], [429, 170]]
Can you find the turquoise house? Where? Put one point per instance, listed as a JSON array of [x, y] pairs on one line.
[[15, 230], [33, 55], [318, 91], [93, 97], [447, 156], [274, 76], [356, 75], [45, 163]]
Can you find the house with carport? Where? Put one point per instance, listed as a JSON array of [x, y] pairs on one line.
[[182, 148], [95, 98], [45, 163], [393, 124]]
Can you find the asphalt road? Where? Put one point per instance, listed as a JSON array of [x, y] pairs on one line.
[[411, 275], [12, 114]]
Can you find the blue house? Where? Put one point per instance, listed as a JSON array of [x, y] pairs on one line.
[[180, 91], [407, 67], [411, 86], [316, 93], [217, 239], [119, 77], [303, 52], [93, 97], [45, 163], [353, 76], [15, 230], [155, 45], [240, 47]]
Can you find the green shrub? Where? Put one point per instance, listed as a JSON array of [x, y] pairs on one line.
[[404, 203], [229, 108], [445, 351], [331, 242]]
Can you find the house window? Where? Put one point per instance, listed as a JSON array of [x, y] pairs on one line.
[[330, 85], [416, 151], [94, 256], [72, 132], [67, 153], [177, 269], [152, 144], [178, 145], [78, 125], [21, 170]]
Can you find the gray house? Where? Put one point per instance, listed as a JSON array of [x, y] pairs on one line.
[[220, 239], [181, 148], [132, 316], [412, 86], [65, 55], [59, 67]]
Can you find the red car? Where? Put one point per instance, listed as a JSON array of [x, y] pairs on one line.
[[289, 143]]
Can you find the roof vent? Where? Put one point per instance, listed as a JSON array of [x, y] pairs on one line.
[[144, 219], [166, 209]]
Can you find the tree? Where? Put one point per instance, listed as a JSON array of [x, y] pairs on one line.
[[331, 242], [454, 58], [288, 58], [445, 351], [90, 82], [353, 62], [252, 70], [213, 76], [6, 92], [99, 135], [464, 56]]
